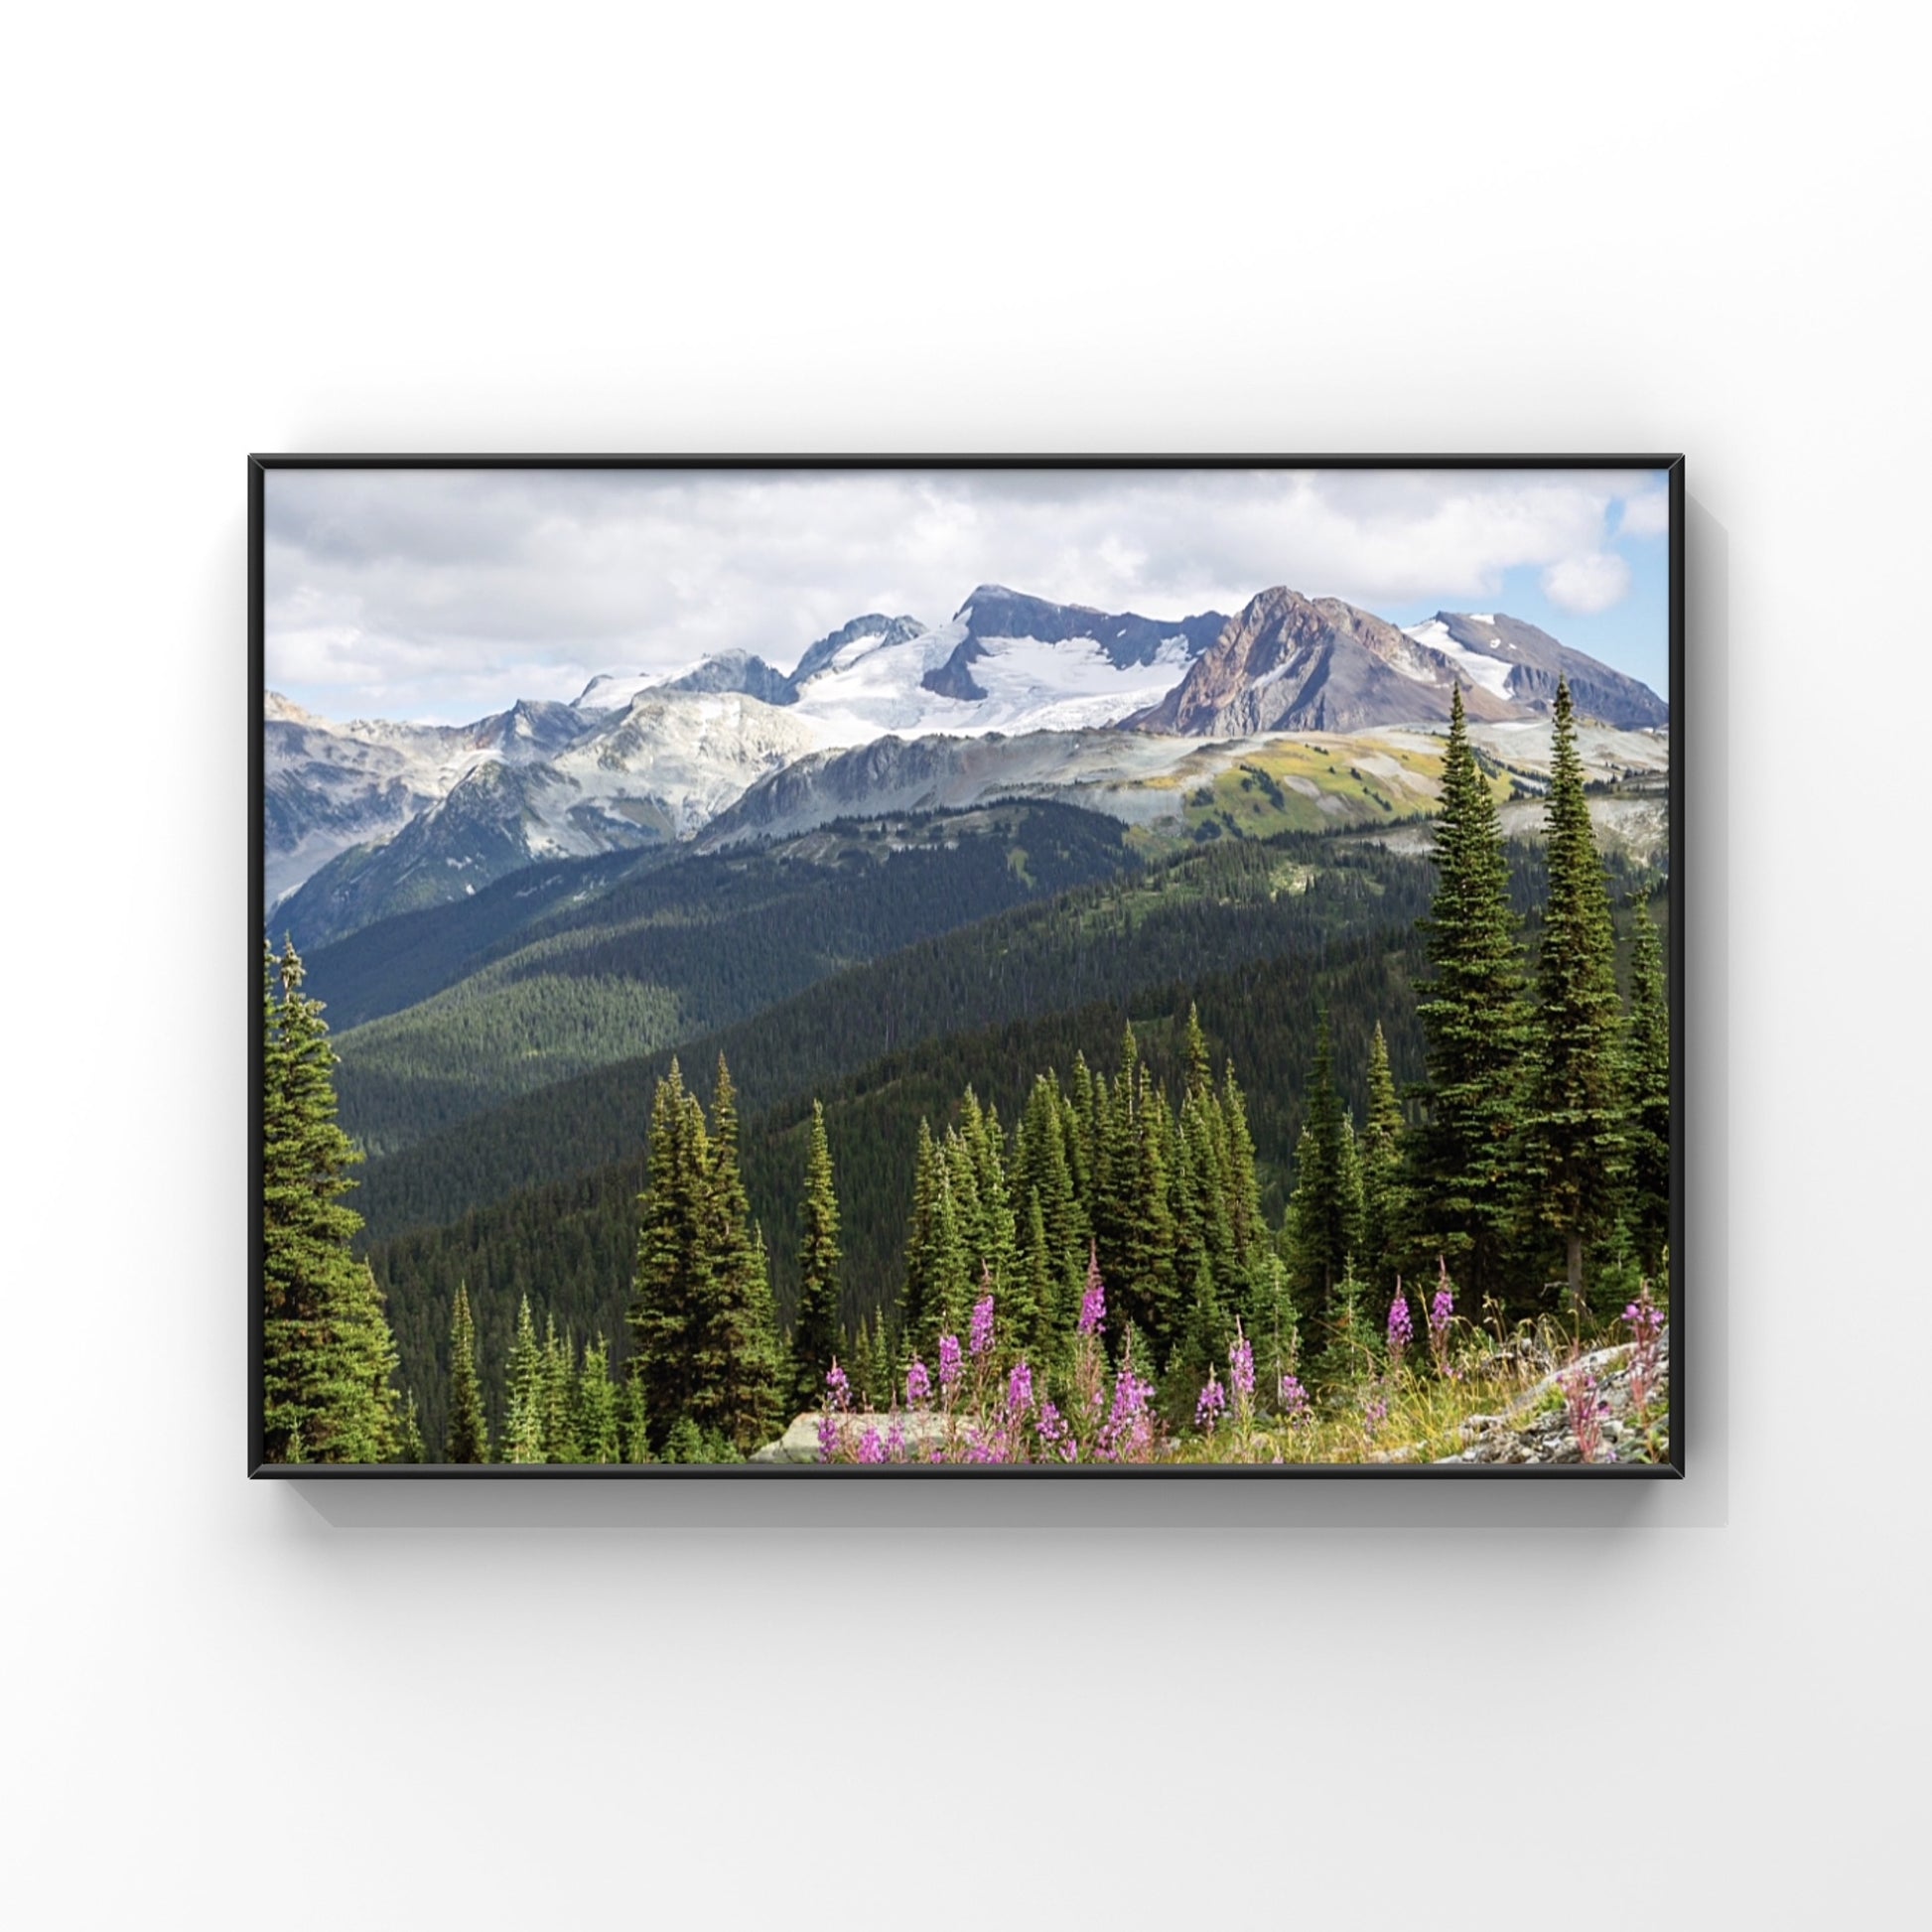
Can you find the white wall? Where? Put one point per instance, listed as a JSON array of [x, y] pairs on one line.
[[1121, 228]]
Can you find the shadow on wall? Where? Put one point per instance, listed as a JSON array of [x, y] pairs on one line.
[[1700, 1501]]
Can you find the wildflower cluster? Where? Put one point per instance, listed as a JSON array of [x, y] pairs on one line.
[[1402, 1330], [972, 1413], [1645, 1320], [1587, 1411], [1442, 1317]]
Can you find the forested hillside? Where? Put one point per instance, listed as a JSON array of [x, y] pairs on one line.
[[1202, 914], [668, 952], [568, 1245], [1120, 1118]]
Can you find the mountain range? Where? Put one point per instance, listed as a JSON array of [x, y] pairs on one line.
[[1013, 694]]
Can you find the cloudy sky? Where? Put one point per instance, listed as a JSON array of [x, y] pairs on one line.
[[448, 593]]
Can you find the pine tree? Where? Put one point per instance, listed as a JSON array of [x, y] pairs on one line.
[[634, 1420], [1040, 1294], [1201, 1069], [1474, 1026], [411, 1448], [598, 1439], [469, 1440], [1042, 1166], [1647, 1082], [1132, 1219], [1348, 1354], [525, 1392], [326, 1350], [671, 1291], [921, 1296], [814, 1333], [1574, 1132], [1326, 1214], [560, 1444], [1382, 1157], [738, 1373]]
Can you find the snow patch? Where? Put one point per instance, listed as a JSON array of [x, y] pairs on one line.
[[1488, 672]]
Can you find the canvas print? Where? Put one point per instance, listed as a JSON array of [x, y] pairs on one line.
[[1035, 967]]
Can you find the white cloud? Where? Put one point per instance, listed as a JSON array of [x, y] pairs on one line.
[[1588, 584], [1646, 515], [416, 592]]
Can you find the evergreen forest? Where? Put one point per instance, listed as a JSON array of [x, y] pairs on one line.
[[978, 1138]]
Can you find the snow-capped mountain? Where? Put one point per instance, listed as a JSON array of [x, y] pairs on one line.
[[372, 818], [331, 786], [1289, 662], [1519, 663], [608, 780], [1003, 660]]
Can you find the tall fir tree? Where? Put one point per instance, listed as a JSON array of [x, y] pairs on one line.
[[921, 1296], [671, 1291], [1647, 1078], [560, 1443], [1382, 1164], [328, 1354], [738, 1375], [468, 1437], [814, 1335], [1326, 1213], [525, 1391], [598, 1439], [1475, 1023], [1574, 1132]]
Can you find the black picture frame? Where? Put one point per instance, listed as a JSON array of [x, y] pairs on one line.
[[1672, 465]]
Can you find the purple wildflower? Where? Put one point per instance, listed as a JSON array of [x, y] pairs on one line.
[[837, 1387], [1586, 1411], [895, 1442], [919, 1384], [1207, 1411], [1093, 1304], [981, 1339], [1374, 1414], [1402, 1330], [1646, 1325], [1294, 1399], [1442, 1314], [1020, 1389], [871, 1447], [828, 1435], [1127, 1428], [1051, 1425], [1241, 1366], [949, 1360]]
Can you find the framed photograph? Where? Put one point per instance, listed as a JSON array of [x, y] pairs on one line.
[[892, 968]]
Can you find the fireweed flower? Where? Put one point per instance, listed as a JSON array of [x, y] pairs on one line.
[[1020, 1389], [1586, 1411], [895, 1443], [949, 1360], [837, 1387], [1051, 1427], [871, 1447], [919, 1384], [982, 1335], [1207, 1411], [828, 1435], [1402, 1330], [1241, 1366], [1093, 1304], [1295, 1399]]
